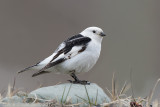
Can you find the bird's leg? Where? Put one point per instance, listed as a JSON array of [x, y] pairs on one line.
[[77, 81], [74, 76]]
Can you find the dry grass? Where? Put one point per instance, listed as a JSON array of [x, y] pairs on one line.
[[129, 101], [11, 89]]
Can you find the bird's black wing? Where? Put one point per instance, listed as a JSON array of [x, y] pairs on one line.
[[75, 37], [77, 40], [70, 43], [80, 41]]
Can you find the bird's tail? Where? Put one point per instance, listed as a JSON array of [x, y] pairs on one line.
[[26, 69]]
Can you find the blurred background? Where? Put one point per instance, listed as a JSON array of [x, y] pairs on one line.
[[30, 30]]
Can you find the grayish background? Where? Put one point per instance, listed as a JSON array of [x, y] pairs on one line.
[[30, 30]]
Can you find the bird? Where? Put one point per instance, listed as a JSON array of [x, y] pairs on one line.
[[75, 55]]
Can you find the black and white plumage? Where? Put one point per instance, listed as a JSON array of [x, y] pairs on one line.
[[77, 54]]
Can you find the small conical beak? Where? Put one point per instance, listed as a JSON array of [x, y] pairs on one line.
[[102, 34]]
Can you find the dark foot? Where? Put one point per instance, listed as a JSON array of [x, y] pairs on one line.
[[83, 82]]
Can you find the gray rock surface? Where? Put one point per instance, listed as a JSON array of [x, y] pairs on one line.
[[21, 105], [75, 93], [14, 99]]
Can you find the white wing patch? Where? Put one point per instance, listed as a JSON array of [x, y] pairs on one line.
[[74, 51]]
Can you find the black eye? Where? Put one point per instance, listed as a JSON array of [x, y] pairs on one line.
[[94, 31]]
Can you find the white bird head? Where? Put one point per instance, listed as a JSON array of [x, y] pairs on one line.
[[94, 33]]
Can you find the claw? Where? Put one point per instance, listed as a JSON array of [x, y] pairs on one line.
[[70, 81], [77, 81], [83, 82]]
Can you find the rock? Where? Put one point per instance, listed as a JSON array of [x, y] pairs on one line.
[[22, 105], [14, 99], [18, 98], [73, 93]]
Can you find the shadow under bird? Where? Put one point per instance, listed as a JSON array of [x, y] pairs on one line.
[[77, 54]]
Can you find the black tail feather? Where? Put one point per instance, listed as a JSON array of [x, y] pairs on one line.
[[39, 73]]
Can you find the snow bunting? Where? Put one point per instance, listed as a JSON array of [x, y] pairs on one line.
[[77, 54]]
